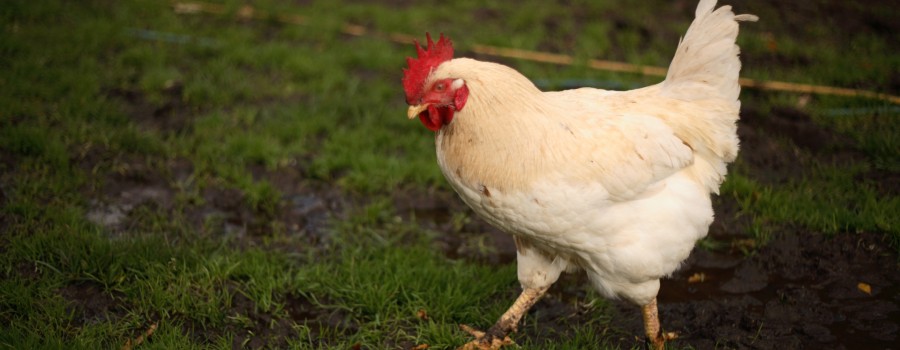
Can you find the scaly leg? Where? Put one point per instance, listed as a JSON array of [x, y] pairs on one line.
[[651, 326], [497, 336]]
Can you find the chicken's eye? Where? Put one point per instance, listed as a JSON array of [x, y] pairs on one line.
[[439, 87]]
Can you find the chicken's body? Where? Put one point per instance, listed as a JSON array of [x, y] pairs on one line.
[[613, 183], [545, 185]]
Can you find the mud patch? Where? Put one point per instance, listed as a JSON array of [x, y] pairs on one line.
[[255, 329], [462, 235], [780, 145], [90, 304], [263, 329], [166, 112], [799, 291], [133, 194], [883, 181], [131, 183], [323, 323], [29, 271], [306, 207]]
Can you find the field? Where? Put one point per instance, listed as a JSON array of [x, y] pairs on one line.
[[226, 176]]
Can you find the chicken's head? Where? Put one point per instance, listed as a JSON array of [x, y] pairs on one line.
[[434, 101]]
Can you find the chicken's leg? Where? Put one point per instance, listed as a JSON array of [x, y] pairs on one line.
[[497, 335], [651, 326]]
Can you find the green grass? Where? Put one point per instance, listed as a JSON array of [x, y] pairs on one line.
[[100, 98]]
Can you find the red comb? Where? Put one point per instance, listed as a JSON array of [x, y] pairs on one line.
[[419, 69]]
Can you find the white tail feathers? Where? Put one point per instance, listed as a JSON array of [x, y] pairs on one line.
[[706, 63], [705, 72]]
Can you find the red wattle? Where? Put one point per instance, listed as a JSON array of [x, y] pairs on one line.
[[435, 118], [447, 115], [426, 120]]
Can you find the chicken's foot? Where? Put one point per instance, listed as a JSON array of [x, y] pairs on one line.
[[497, 336], [655, 334]]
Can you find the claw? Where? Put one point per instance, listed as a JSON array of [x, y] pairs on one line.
[[474, 332], [483, 340], [659, 343], [497, 336]]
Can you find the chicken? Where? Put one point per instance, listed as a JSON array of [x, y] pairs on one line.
[[616, 184]]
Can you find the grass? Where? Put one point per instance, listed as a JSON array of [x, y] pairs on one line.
[[103, 99]]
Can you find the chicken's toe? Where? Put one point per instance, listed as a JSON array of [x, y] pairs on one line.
[[484, 340]]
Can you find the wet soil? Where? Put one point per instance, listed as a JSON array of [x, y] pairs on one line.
[[91, 304], [802, 290]]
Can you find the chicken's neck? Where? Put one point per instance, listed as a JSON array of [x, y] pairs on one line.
[[502, 139]]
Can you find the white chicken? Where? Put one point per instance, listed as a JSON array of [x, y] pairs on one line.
[[616, 184]]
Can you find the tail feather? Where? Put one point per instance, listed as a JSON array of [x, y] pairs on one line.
[[706, 63], [704, 73]]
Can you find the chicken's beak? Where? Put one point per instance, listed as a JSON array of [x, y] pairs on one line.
[[415, 110]]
